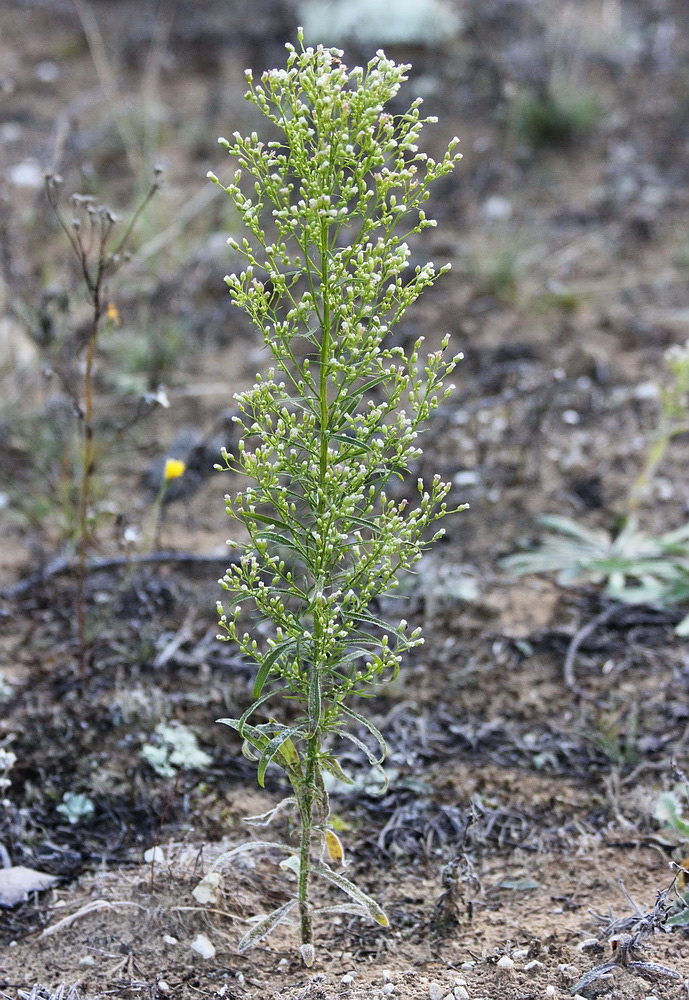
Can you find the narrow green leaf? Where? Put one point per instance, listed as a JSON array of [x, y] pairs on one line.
[[277, 522], [372, 730], [680, 919], [314, 700], [565, 526], [354, 446], [251, 734], [332, 766], [272, 750], [282, 540], [256, 704], [267, 665], [263, 928], [362, 746], [358, 895]]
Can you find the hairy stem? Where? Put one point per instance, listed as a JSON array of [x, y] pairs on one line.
[[306, 802]]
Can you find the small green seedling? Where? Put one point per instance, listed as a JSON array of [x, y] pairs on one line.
[[338, 188], [634, 566], [76, 807]]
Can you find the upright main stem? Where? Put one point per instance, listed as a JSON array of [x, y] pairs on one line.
[[306, 802], [307, 793]]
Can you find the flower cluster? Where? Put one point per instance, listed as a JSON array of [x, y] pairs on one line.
[[335, 197]]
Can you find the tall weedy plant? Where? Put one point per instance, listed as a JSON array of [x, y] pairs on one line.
[[335, 195]]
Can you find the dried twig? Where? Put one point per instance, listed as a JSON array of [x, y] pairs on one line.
[[574, 646], [625, 956]]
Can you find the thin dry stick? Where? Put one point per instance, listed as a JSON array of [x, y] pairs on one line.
[[574, 646], [83, 911]]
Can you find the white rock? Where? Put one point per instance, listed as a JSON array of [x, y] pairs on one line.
[[388, 990], [156, 855], [87, 960], [203, 946], [461, 993], [497, 209], [163, 986], [435, 991], [48, 71], [18, 881], [27, 174], [207, 889], [169, 939], [505, 963]]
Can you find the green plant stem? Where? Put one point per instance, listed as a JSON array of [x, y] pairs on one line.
[[306, 796], [667, 430]]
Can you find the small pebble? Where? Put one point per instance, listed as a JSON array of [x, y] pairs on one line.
[[520, 953], [460, 982], [467, 966], [283, 963], [505, 963], [163, 986], [87, 960], [533, 964], [387, 976], [169, 939], [435, 991], [550, 990], [203, 946], [461, 993], [388, 990], [347, 980]]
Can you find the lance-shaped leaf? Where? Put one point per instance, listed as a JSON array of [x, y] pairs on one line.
[[332, 766], [375, 911], [252, 708], [372, 730], [314, 701], [334, 847], [263, 928], [283, 541], [274, 751], [267, 664]]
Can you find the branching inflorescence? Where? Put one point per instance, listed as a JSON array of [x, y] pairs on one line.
[[336, 194]]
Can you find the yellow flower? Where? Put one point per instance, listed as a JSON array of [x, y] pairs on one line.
[[113, 315], [174, 468]]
